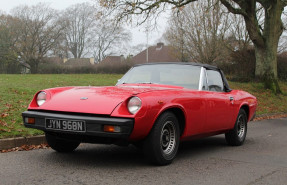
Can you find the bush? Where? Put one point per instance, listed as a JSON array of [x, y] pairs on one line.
[[114, 67], [241, 66], [105, 67], [10, 67]]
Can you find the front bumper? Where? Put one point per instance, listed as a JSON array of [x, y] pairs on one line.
[[94, 124]]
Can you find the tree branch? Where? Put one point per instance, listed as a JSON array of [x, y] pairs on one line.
[[284, 2], [233, 9]]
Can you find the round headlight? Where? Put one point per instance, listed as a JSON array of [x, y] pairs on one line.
[[41, 98], [134, 105]]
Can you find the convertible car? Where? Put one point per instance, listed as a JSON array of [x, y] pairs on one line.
[[154, 106]]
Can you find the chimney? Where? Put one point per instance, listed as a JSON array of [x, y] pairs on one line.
[[122, 58], [159, 46]]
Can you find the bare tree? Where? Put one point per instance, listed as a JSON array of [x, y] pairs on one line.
[[199, 32], [79, 21], [89, 31], [282, 47], [109, 38], [8, 57], [35, 32], [283, 39], [265, 39], [237, 34], [176, 34]]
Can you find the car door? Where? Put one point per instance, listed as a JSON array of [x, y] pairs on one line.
[[219, 103]]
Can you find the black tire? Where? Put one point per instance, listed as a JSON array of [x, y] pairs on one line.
[[237, 135], [161, 145], [61, 145]]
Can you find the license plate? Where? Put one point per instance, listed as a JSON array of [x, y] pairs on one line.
[[65, 125]]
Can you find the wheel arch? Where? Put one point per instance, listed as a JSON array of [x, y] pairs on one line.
[[245, 107], [180, 115]]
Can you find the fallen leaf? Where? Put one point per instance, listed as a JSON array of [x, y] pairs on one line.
[[8, 105], [26, 148], [3, 123], [4, 115], [276, 116]]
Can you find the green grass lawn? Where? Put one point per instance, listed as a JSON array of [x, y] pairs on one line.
[[16, 92], [268, 102]]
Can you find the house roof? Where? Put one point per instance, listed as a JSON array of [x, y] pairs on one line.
[[158, 53]]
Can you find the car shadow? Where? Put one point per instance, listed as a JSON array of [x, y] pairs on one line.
[[105, 156], [199, 147], [111, 156]]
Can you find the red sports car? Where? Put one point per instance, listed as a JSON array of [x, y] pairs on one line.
[[154, 105]]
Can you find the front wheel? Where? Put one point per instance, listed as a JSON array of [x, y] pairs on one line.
[[161, 145], [61, 145], [237, 135]]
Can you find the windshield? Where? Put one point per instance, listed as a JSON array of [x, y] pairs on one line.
[[168, 74]]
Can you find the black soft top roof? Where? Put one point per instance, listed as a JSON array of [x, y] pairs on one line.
[[207, 66]]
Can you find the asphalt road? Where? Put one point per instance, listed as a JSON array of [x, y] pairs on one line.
[[261, 160]]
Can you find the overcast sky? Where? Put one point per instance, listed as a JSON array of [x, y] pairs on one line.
[[139, 36]]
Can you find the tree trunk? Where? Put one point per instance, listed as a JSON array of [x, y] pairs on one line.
[[266, 57], [266, 67], [266, 42]]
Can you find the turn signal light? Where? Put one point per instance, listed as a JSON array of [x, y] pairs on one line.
[[111, 128], [30, 120]]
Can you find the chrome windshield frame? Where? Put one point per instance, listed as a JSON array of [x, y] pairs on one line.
[[203, 77]]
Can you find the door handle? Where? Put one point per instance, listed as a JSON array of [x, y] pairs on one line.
[[231, 98]]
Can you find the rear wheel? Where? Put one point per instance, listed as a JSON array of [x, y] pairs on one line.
[[161, 145], [237, 135], [61, 145]]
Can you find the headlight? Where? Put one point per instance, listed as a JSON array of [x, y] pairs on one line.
[[134, 104], [41, 98]]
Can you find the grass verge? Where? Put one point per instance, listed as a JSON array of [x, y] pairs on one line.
[[16, 92], [268, 102]]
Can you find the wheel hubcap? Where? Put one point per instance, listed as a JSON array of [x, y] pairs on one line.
[[241, 126], [168, 138]]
